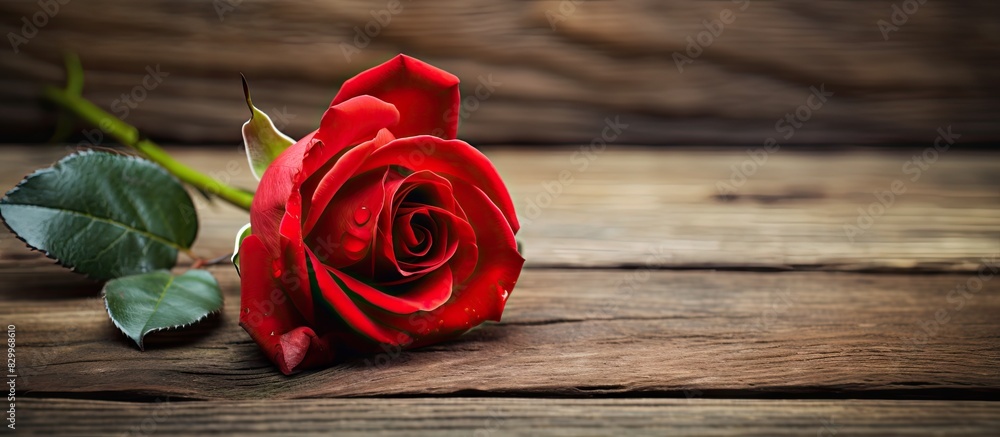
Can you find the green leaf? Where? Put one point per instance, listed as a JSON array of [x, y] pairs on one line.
[[103, 214], [240, 235], [263, 141], [154, 301]]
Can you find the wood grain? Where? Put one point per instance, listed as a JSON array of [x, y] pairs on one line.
[[559, 81], [641, 208], [514, 416], [620, 325], [566, 333]]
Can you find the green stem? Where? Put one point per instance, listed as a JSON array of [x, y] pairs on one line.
[[129, 136]]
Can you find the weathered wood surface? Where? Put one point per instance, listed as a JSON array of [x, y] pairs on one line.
[[606, 332], [632, 207], [563, 66], [516, 416], [567, 333]]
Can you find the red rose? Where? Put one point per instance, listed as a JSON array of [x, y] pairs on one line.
[[379, 228]]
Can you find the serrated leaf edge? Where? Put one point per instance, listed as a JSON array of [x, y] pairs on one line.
[[142, 336], [51, 168], [139, 343]]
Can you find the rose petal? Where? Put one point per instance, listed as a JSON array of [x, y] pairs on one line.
[[499, 260], [410, 239], [346, 124], [332, 182], [342, 304], [427, 97], [426, 295], [335, 177], [355, 211], [454, 158], [301, 349], [291, 268], [271, 320], [415, 228], [275, 186], [484, 295], [485, 218], [433, 189], [308, 187], [449, 231], [463, 262]]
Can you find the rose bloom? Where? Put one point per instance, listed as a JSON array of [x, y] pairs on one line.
[[379, 230]]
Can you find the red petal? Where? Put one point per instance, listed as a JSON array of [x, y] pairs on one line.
[[484, 295], [309, 185], [453, 230], [361, 117], [291, 265], [348, 123], [427, 97], [292, 270], [332, 181], [342, 304], [428, 294], [451, 157], [444, 239], [272, 321], [499, 261], [383, 137], [361, 120], [275, 186], [352, 216], [301, 348]]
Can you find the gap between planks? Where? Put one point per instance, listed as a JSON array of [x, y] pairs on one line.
[[514, 416], [570, 333]]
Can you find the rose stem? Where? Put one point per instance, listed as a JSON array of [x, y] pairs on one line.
[[129, 136]]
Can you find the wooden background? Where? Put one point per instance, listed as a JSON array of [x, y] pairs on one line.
[[648, 305], [601, 59], [651, 300]]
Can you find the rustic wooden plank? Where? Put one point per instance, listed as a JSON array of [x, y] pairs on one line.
[[559, 81], [569, 333], [513, 416], [664, 208]]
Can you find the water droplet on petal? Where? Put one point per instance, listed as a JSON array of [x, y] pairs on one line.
[[361, 215], [272, 332], [246, 310], [503, 292]]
